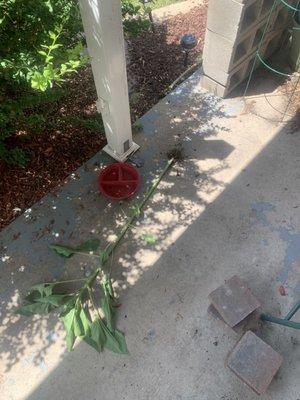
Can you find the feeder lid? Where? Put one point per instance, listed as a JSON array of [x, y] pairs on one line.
[[119, 181]]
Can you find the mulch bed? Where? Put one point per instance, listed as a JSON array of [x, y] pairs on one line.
[[54, 153], [156, 60]]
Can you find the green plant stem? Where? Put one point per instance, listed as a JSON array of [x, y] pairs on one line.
[[91, 279], [90, 254], [112, 246], [104, 256], [53, 43], [93, 303], [68, 281], [156, 183]]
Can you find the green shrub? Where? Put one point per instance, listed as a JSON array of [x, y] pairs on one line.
[[134, 17], [41, 43], [39, 46]]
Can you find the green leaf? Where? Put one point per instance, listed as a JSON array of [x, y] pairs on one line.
[[97, 336], [89, 245], [43, 53], [63, 68], [136, 211], [76, 321], [70, 339], [67, 251], [50, 8], [64, 251], [86, 323], [55, 46], [67, 317], [106, 308], [35, 308], [49, 72], [148, 238], [33, 296], [45, 289], [41, 300], [103, 257], [115, 341], [52, 35], [107, 287], [38, 81], [55, 300], [74, 64], [78, 326]]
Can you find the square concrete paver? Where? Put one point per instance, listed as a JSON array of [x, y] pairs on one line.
[[251, 322], [254, 362], [234, 301]]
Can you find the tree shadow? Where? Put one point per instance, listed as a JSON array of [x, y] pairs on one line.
[[207, 229], [76, 212]]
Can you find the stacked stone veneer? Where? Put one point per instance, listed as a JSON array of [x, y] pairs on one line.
[[234, 31]]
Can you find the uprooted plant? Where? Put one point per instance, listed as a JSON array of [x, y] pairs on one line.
[[83, 313]]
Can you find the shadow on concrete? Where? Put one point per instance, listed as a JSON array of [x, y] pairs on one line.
[[206, 230], [74, 214], [171, 281]]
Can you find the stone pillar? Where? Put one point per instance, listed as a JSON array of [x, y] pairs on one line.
[[234, 31]]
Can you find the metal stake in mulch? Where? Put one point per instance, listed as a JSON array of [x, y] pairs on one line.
[[83, 314]]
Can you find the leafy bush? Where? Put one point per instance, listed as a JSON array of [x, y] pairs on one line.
[[134, 17], [41, 43]]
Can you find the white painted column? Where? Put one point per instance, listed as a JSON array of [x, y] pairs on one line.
[[102, 22]]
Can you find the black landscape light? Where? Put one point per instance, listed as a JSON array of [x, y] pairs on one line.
[[188, 42]]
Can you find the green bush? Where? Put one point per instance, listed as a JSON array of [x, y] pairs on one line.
[[41, 44], [134, 17]]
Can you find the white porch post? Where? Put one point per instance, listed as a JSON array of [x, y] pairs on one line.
[[102, 22]]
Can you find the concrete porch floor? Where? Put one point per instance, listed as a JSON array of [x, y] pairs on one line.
[[230, 207]]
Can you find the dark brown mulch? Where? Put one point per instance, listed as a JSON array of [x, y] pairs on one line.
[[156, 60], [54, 153]]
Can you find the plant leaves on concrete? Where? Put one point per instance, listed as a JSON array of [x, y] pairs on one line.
[[67, 317], [41, 300], [101, 336], [107, 311], [148, 238], [67, 251], [74, 308], [115, 341], [89, 245], [35, 308], [96, 336]]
